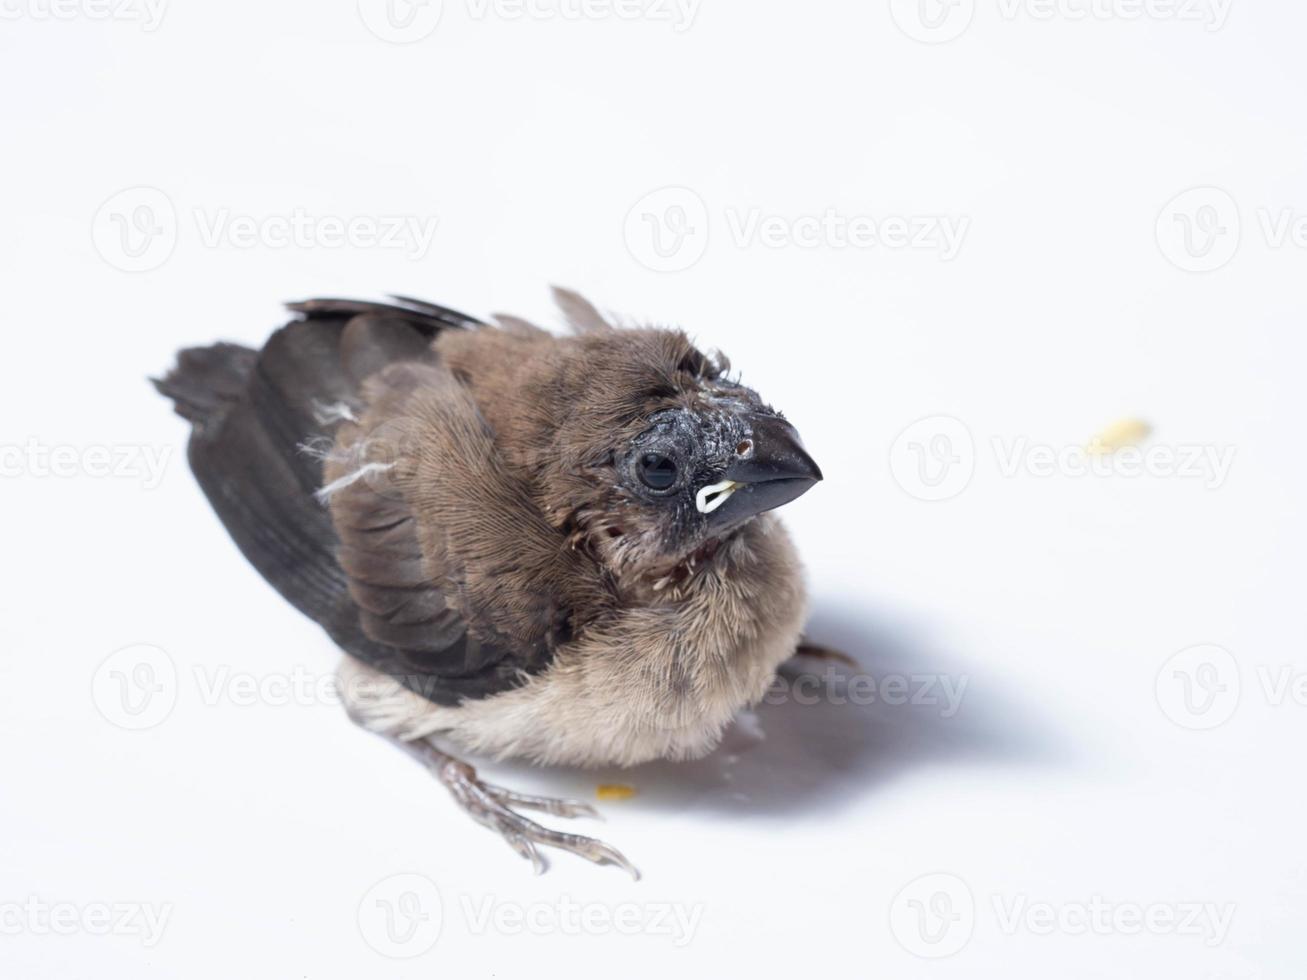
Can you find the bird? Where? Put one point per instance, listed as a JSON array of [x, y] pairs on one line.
[[554, 546]]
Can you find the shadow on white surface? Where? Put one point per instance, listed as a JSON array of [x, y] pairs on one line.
[[829, 734]]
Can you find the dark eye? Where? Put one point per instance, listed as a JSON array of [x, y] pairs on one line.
[[657, 472]]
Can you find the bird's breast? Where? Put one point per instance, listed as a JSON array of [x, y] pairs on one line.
[[661, 680]]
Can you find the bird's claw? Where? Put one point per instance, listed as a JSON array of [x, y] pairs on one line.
[[547, 804], [490, 806]]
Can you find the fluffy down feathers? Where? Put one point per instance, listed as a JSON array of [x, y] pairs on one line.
[[477, 555]]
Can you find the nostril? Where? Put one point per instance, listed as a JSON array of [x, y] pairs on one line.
[[744, 447]]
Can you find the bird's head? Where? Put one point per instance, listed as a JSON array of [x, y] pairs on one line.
[[700, 471], [678, 455], [642, 449]]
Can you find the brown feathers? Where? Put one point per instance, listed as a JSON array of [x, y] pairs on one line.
[[560, 406], [481, 533]]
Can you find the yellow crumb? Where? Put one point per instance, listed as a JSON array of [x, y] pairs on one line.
[[614, 791], [1118, 435]]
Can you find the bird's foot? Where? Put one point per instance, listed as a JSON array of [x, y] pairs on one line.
[[490, 806]]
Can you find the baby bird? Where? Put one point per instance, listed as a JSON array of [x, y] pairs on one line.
[[556, 548]]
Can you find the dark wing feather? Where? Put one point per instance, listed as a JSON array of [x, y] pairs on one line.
[[253, 416]]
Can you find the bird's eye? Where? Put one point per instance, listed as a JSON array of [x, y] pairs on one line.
[[657, 472]]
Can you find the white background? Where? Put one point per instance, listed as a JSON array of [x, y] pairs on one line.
[[1072, 774]]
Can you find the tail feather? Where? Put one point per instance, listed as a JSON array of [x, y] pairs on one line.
[[207, 379], [256, 417]]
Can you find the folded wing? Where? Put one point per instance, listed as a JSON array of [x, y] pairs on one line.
[[357, 476]]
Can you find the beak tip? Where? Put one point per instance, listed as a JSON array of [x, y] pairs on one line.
[[779, 470], [778, 454], [805, 466]]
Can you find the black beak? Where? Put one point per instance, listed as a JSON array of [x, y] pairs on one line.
[[773, 468]]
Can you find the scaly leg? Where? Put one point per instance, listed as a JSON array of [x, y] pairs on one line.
[[489, 806]]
